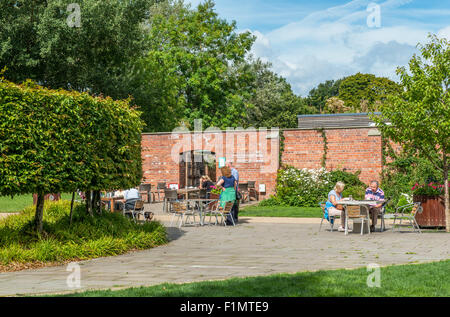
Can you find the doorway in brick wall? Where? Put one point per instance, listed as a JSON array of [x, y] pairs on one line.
[[194, 164]]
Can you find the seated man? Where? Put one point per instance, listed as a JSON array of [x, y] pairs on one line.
[[131, 196], [374, 192]]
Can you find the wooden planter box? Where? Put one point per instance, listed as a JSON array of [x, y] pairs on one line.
[[214, 196], [433, 214]]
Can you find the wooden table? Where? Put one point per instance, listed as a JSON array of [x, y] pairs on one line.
[[188, 191], [346, 202], [112, 201]]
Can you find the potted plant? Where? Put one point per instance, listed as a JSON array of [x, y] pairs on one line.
[[431, 197], [215, 192]]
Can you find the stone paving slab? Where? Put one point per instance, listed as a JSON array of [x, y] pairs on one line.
[[249, 249]]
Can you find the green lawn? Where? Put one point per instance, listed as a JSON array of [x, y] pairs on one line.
[[280, 211], [414, 280], [18, 203]]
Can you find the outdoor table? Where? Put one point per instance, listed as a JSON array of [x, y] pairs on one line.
[[347, 202], [112, 201], [201, 205], [187, 191]]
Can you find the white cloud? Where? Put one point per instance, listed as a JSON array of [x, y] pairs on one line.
[[337, 42]]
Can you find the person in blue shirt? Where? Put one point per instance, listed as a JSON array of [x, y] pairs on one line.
[[235, 174], [331, 206]]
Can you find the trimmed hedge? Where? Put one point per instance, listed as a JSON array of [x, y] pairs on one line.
[[60, 141]]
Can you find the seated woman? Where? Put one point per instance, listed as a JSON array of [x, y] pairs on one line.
[[332, 208], [206, 183], [228, 182]]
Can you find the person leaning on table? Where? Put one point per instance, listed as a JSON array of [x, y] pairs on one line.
[[331, 206], [374, 192]]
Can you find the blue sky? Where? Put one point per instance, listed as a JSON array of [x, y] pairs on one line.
[[309, 42]]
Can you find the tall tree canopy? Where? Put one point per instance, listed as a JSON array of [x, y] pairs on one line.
[[272, 102], [364, 92], [37, 42], [420, 115], [188, 71], [318, 96]]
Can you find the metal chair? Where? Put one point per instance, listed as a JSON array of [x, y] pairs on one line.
[[159, 189], [146, 189], [358, 213], [170, 195], [243, 188], [202, 193], [225, 211], [181, 209], [402, 214], [331, 219], [382, 214], [251, 186], [138, 209]]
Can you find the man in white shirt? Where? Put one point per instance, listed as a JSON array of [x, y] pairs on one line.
[[131, 193]]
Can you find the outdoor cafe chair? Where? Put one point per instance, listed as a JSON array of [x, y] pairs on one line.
[[243, 188], [358, 213], [225, 211], [138, 209], [382, 214], [170, 195], [331, 219], [159, 189], [251, 185], [403, 213], [181, 210], [146, 189]]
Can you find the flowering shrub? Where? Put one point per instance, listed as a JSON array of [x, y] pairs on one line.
[[216, 190], [307, 187], [431, 189]]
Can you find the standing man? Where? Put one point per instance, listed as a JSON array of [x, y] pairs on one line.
[[235, 173], [374, 192]]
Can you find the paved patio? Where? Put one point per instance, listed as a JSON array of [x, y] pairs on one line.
[[255, 247]]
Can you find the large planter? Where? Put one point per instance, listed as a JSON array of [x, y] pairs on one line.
[[433, 214], [214, 196]]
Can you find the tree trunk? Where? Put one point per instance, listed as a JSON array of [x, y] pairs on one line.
[[39, 212], [447, 198], [71, 208], [97, 202], [89, 202]]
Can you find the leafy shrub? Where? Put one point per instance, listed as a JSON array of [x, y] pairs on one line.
[[357, 192], [88, 237], [401, 175], [306, 188]]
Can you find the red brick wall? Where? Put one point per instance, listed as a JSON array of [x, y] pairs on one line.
[[250, 158], [352, 149]]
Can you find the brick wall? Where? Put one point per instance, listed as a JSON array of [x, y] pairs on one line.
[[352, 149], [254, 161]]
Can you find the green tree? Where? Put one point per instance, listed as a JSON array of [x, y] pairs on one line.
[[364, 92], [318, 96], [36, 42], [420, 116], [59, 141], [189, 72], [272, 102]]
